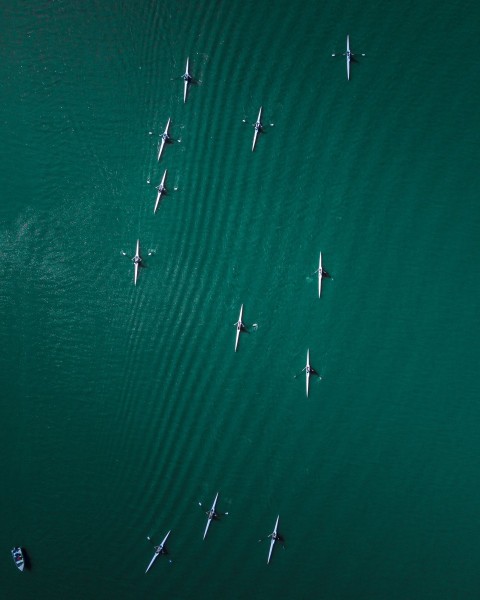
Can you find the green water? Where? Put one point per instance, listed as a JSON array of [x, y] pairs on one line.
[[124, 407]]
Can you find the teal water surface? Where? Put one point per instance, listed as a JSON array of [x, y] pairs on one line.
[[125, 407]]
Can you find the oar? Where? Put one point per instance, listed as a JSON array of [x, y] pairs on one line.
[[163, 549], [200, 504], [151, 541], [265, 538]]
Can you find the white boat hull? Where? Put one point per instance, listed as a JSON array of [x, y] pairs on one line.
[[158, 551], [164, 139], [136, 264], [239, 327], [348, 58], [210, 518], [161, 191], [258, 126], [18, 558], [320, 275], [185, 83], [307, 372], [273, 540]]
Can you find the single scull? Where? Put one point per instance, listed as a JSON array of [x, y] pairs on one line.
[[308, 371], [161, 190], [240, 327], [211, 515], [349, 57], [137, 261], [320, 275], [165, 138], [187, 78], [158, 550], [274, 538], [258, 128]]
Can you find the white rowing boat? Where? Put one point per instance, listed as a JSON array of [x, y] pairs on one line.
[[187, 78], [308, 371], [348, 57], [211, 515], [258, 128], [136, 263], [158, 550], [165, 138], [273, 539], [320, 275], [161, 190], [240, 326]]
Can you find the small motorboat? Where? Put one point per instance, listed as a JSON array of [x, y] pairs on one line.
[[18, 558]]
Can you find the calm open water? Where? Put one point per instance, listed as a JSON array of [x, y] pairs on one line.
[[123, 407]]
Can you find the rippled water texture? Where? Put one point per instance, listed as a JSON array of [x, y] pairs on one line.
[[125, 407]]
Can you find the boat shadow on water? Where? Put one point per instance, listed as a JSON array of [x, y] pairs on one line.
[[26, 558]]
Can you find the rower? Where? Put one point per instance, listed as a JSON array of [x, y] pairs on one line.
[[137, 260]]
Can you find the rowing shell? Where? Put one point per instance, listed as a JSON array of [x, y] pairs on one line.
[[273, 535], [211, 512], [258, 127], [348, 56], [320, 275], [307, 371], [165, 137], [158, 551], [239, 325], [136, 263], [186, 78], [161, 190]]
